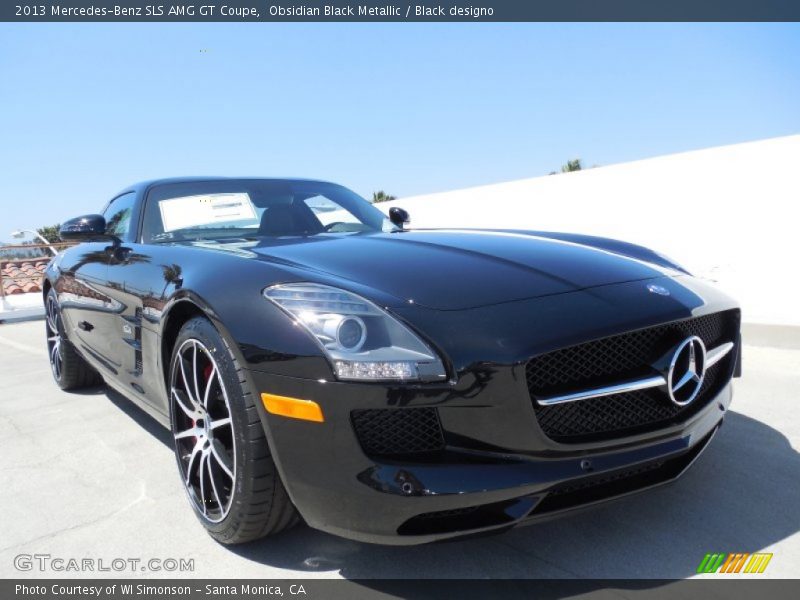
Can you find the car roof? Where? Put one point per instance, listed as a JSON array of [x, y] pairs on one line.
[[143, 186]]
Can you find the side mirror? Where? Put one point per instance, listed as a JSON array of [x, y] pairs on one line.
[[83, 229], [399, 217]]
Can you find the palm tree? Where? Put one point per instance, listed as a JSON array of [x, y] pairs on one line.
[[570, 166], [50, 233], [172, 274], [381, 196]]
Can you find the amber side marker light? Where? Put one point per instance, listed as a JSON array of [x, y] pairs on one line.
[[294, 408]]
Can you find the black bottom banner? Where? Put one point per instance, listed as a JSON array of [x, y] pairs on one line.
[[188, 589]]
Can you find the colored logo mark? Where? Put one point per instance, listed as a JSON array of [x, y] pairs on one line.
[[735, 562]]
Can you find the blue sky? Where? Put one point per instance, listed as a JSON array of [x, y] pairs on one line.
[[409, 108]]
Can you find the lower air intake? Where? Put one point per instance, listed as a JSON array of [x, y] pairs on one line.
[[398, 432]]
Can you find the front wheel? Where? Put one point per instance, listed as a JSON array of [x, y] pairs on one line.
[[220, 445], [69, 369]]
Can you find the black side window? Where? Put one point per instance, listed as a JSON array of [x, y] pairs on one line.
[[118, 215]]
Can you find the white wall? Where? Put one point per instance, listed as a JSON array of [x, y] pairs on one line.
[[729, 214], [21, 306]]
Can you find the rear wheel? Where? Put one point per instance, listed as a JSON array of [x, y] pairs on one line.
[[221, 449], [69, 369]]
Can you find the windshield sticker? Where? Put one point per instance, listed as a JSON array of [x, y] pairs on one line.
[[206, 210]]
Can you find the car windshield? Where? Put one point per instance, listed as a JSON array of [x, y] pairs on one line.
[[239, 208]]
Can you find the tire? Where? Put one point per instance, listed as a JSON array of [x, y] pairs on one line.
[[70, 370], [221, 449]]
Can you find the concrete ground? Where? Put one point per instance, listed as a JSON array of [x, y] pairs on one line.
[[91, 476]]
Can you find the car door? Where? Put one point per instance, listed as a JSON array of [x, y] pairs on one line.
[[136, 279], [85, 303], [104, 326]]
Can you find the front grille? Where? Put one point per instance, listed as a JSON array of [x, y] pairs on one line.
[[615, 359], [398, 432]]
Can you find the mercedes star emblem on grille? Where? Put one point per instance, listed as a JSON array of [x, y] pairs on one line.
[[687, 369]]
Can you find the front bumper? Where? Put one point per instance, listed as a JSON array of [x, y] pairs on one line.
[[487, 478]]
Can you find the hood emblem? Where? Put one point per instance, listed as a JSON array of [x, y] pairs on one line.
[[687, 369], [657, 289]]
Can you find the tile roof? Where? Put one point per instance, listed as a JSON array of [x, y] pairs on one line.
[[23, 276]]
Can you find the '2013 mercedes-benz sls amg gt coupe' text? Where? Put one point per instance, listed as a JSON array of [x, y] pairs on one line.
[[315, 359]]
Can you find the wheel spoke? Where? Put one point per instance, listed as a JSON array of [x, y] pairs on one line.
[[222, 458], [189, 412], [201, 473], [220, 423], [55, 360], [212, 376], [214, 487], [186, 387], [208, 386], [195, 451], [194, 373], [53, 338], [192, 431], [51, 316]]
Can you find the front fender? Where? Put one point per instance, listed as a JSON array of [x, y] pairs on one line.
[[262, 337]]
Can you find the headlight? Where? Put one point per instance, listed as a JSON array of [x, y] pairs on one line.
[[362, 341]]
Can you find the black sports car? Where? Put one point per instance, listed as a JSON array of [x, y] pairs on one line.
[[315, 359]]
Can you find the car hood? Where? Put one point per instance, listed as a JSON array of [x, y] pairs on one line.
[[454, 270]]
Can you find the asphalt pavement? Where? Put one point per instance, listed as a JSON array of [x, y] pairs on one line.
[[89, 475]]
